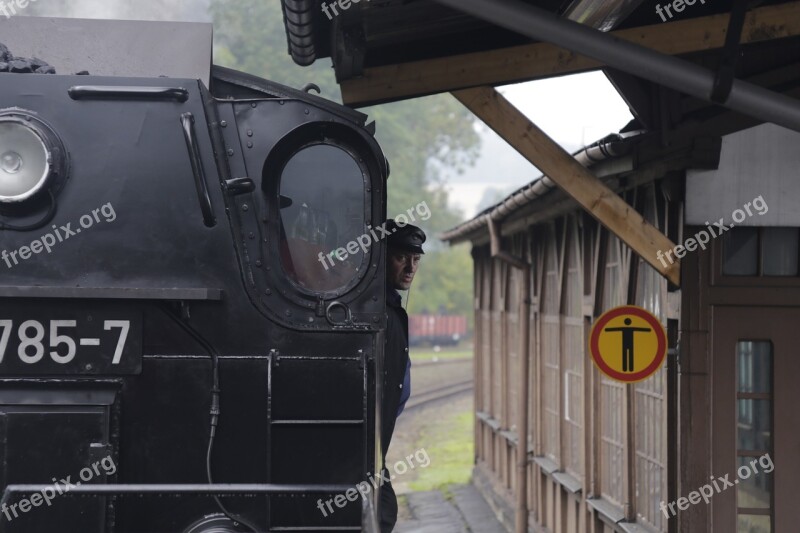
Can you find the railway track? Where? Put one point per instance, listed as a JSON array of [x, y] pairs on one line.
[[440, 393], [442, 362]]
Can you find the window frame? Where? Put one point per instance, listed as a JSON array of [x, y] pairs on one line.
[[372, 171], [719, 279], [330, 293]]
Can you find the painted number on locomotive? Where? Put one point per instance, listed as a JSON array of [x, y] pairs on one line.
[[31, 334], [68, 343]]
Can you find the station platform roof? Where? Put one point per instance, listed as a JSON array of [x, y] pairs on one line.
[[688, 69], [385, 50]]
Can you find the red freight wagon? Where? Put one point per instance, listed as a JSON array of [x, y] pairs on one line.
[[436, 329]]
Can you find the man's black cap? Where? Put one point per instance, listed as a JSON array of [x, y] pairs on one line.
[[405, 237]]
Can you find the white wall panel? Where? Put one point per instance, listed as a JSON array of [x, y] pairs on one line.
[[761, 161]]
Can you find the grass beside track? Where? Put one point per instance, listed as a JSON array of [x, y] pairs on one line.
[[451, 449]]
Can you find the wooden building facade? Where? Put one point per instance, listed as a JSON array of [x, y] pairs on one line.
[[606, 456], [598, 449]]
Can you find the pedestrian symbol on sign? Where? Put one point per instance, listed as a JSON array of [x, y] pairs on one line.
[[627, 343]]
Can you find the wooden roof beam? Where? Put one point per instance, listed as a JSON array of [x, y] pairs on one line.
[[576, 180], [543, 60]]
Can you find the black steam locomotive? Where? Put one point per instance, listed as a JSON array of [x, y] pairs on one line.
[[174, 357]]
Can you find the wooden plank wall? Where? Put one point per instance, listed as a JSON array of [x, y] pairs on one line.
[[576, 484]]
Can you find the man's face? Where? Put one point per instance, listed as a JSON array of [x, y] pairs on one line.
[[402, 267]]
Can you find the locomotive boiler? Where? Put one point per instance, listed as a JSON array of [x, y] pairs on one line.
[[173, 356]]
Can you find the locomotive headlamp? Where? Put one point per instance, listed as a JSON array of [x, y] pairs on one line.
[[31, 155], [24, 162]]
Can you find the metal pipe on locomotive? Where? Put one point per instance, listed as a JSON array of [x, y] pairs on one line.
[[194, 340]]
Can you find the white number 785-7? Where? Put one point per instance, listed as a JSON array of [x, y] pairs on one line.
[[123, 325]]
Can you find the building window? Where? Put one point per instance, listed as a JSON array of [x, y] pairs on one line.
[[574, 357], [779, 251], [485, 306], [551, 349], [498, 411], [612, 393], [514, 288], [649, 396], [754, 434], [769, 251], [322, 209]]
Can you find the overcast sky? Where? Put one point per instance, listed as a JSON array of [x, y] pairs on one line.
[[574, 110]]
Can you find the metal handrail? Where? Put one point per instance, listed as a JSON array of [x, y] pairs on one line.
[[369, 519]]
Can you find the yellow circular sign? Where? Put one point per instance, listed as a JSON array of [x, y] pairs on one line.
[[628, 343]]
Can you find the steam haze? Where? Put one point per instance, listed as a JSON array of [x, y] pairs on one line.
[[172, 10]]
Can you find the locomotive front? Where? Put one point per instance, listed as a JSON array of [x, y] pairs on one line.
[[184, 345]]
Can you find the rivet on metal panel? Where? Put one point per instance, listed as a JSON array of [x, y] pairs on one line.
[[230, 151], [224, 123], [251, 235], [249, 133], [258, 263], [249, 144], [253, 104], [245, 207]]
